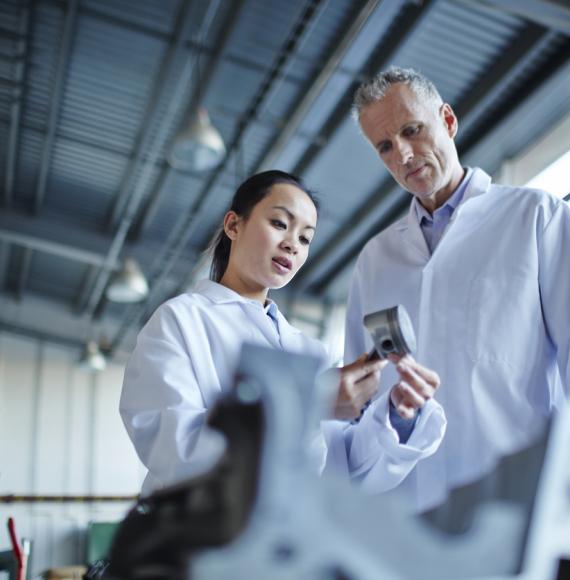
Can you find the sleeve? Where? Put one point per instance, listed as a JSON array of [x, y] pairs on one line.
[[162, 406], [554, 280]]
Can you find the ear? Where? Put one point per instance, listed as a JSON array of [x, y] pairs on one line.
[[449, 119], [231, 224]]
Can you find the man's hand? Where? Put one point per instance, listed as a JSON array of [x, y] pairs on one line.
[[358, 384], [417, 384]]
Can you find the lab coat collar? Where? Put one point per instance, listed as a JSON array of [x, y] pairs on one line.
[[479, 183], [219, 294]]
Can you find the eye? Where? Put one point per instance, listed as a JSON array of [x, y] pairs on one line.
[[278, 224], [384, 148], [411, 130], [305, 241]]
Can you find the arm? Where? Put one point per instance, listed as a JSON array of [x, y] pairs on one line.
[[554, 280], [162, 405], [371, 451]]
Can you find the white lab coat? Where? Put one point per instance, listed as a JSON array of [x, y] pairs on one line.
[[490, 309], [185, 357]]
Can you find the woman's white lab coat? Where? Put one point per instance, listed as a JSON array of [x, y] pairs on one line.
[[490, 309], [185, 358]]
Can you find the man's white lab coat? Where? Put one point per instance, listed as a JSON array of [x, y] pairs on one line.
[[490, 309]]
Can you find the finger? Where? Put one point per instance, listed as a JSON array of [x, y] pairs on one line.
[[368, 386], [412, 378], [431, 377], [404, 394]]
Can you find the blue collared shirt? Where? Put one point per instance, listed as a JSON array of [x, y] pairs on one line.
[[433, 225]]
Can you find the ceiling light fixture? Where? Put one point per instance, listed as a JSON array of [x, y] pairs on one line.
[[199, 147], [92, 360], [129, 285]]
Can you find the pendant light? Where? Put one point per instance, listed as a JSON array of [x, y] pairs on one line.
[[199, 147], [92, 360], [129, 285]]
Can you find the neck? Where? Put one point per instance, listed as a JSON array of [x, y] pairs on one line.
[[243, 287], [437, 199]]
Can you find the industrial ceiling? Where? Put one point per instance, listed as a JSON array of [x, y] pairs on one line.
[[93, 92]]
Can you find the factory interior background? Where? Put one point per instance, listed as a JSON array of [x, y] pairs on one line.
[[95, 98]]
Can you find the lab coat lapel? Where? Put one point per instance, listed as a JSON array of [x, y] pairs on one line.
[[290, 336], [413, 234]]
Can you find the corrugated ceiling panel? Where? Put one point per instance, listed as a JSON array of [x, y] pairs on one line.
[[260, 34], [55, 277], [154, 14], [110, 78], [83, 180], [476, 41], [180, 192]]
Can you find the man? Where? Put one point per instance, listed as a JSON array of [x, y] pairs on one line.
[[483, 271]]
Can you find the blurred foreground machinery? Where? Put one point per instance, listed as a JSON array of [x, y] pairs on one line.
[[263, 513]]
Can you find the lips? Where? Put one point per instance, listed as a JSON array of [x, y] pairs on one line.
[[414, 172], [283, 262]]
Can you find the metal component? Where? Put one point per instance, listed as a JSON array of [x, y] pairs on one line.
[[392, 331]]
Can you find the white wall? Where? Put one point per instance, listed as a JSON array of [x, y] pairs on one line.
[[60, 434]]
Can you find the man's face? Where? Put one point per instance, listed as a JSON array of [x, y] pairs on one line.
[[415, 142]]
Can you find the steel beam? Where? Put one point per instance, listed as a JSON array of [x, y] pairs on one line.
[[331, 66], [16, 105], [56, 100], [24, 273]]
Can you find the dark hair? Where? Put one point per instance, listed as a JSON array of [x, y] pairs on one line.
[[247, 196]]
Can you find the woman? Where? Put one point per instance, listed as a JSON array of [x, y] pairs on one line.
[[186, 354]]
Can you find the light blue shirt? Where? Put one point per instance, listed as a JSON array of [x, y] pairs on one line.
[[433, 225]]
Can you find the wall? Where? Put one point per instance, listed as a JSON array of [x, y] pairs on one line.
[[60, 434]]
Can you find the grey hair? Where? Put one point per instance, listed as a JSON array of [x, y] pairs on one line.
[[375, 89]]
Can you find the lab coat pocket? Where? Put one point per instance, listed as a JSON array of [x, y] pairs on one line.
[[499, 318]]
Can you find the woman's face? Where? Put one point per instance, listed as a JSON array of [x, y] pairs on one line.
[[270, 247]]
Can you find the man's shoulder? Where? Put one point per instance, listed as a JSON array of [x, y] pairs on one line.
[[523, 197]]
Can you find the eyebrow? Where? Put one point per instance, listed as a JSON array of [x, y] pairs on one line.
[[291, 215]]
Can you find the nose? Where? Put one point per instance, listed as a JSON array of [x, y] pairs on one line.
[[404, 152], [290, 244]]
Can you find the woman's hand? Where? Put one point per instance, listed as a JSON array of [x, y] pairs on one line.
[[416, 386], [359, 382]]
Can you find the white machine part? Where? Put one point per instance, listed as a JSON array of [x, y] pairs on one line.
[[306, 527]]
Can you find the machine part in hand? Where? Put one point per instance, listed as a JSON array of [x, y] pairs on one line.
[[392, 332]]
